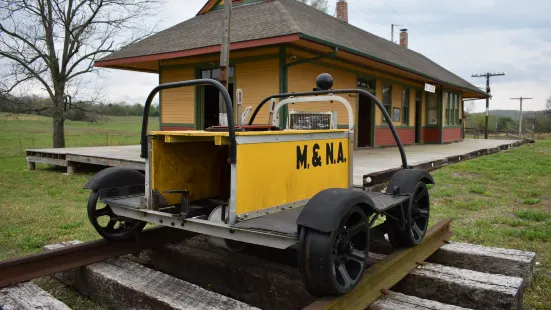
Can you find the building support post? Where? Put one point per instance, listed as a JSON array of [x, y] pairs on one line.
[[224, 59]]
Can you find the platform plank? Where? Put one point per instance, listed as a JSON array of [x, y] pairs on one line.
[[28, 296], [377, 163]]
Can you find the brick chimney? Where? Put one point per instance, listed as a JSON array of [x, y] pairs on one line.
[[342, 10], [404, 38]]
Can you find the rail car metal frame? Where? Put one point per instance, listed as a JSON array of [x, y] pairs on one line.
[[322, 218]]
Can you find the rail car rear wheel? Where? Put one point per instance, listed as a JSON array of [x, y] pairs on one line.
[[417, 219], [108, 224], [332, 263]]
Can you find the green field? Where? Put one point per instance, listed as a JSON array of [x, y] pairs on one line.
[[20, 132], [498, 200]]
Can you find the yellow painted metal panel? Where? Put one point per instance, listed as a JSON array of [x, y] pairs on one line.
[[177, 105], [191, 166], [272, 174], [302, 78], [258, 79]]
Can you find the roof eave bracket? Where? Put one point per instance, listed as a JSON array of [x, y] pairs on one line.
[[333, 54]]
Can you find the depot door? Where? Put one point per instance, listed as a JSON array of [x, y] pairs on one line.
[[366, 114], [364, 121]]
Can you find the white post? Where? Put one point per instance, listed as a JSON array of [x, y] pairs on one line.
[[520, 123]]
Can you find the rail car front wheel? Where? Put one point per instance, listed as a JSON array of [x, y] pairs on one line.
[[416, 217], [108, 224], [332, 263]]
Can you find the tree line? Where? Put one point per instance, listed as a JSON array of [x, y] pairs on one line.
[[538, 121], [74, 111]]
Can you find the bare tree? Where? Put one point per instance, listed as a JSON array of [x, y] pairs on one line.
[[51, 44], [317, 4], [469, 106], [548, 105]]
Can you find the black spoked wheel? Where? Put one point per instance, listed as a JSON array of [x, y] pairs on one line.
[[108, 224], [417, 219], [333, 263]]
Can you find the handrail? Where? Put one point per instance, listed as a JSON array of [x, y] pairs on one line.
[[294, 100], [225, 96], [343, 91]]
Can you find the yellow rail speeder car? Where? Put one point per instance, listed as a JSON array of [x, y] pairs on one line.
[[258, 184]]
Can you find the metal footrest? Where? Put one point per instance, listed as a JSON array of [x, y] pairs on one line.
[[126, 196], [383, 201]]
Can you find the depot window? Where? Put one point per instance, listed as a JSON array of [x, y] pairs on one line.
[[432, 109], [405, 105], [452, 109]]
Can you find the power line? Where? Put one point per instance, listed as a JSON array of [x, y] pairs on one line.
[[401, 17], [372, 9], [378, 14], [520, 122], [367, 20], [488, 92]]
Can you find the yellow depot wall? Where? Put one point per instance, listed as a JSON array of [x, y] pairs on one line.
[[397, 103], [302, 78], [379, 95], [177, 105], [258, 79]]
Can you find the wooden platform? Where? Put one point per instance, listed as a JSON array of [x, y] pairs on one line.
[[373, 165], [110, 156]]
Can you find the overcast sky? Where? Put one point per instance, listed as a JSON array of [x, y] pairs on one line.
[[476, 36]]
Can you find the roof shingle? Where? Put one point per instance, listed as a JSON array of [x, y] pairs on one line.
[[283, 17]]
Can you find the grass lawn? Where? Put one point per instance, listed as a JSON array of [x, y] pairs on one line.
[[22, 132], [498, 200]]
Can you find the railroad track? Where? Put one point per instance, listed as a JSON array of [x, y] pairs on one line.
[[26, 268], [381, 276], [377, 279]]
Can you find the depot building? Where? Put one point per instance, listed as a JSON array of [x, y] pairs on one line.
[[280, 46]]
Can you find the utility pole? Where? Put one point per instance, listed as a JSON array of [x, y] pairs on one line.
[[520, 122], [224, 59], [392, 31], [488, 92]]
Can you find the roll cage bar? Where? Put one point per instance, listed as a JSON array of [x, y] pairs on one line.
[[229, 109], [343, 91], [221, 89]]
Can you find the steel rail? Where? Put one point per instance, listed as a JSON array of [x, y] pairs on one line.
[[29, 267], [384, 274]]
